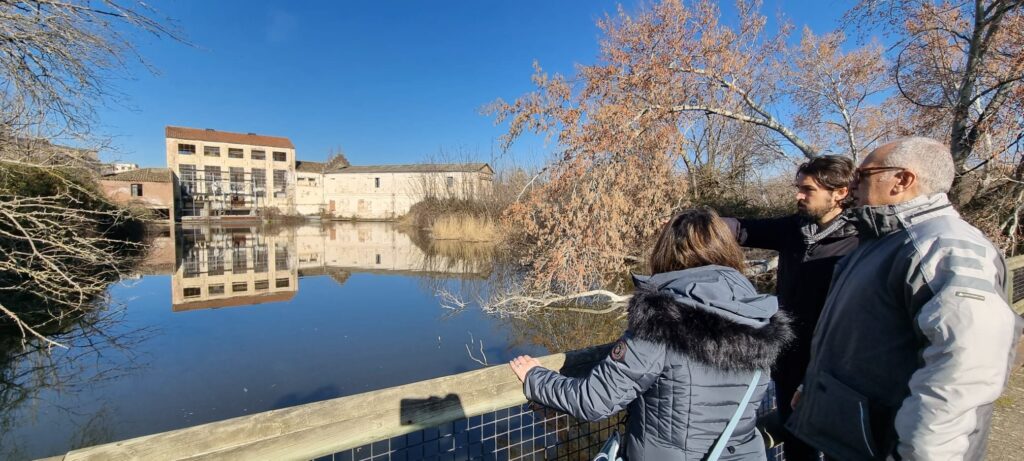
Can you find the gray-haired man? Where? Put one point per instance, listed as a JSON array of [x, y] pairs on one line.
[[916, 336]]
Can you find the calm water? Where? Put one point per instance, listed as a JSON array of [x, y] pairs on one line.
[[222, 322]]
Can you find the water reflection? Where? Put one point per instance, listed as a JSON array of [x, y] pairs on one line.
[[342, 308], [244, 265]]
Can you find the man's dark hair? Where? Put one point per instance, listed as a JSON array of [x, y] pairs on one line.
[[830, 172]]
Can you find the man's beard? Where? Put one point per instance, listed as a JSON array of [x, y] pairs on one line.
[[813, 213]]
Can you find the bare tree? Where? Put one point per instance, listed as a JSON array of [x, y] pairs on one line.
[[58, 242], [839, 93], [57, 253], [958, 66], [57, 56]]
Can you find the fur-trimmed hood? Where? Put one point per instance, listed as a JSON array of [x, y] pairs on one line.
[[713, 315]]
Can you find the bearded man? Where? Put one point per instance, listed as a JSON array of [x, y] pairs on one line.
[[809, 243]]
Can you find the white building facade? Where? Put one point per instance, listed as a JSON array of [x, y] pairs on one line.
[[224, 174], [386, 192], [220, 174]]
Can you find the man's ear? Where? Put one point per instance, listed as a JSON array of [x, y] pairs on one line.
[[905, 180], [840, 193]]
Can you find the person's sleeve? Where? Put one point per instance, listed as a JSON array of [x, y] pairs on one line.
[[768, 234], [968, 331], [630, 369]]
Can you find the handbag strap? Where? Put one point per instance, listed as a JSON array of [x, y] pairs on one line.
[[727, 434]]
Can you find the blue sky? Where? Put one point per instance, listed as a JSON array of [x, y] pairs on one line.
[[388, 81]]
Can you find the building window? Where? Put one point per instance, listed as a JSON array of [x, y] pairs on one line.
[[186, 149], [211, 151], [214, 261], [238, 260], [215, 289], [212, 174], [260, 259], [449, 181], [192, 292], [376, 183], [280, 183], [237, 176], [190, 264], [188, 179], [378, 259], [258, 155], [238, 287], [280, 257], [281, 283], [280, 156], [235, 153], [260, 285], [259, 181], [136, 190]]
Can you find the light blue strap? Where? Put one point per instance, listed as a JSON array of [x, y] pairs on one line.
[[727, 434]]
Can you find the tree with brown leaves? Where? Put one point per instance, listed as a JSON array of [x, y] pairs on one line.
[[959, 65], [675, 86]]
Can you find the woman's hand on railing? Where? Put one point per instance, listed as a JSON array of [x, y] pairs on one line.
[[522, 365]]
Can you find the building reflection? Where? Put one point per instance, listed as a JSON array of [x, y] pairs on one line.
[[227, 265]]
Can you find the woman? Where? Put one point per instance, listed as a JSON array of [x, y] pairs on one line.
[[697, 333]]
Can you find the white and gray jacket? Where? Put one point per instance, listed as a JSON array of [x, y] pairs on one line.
[[914, 343]]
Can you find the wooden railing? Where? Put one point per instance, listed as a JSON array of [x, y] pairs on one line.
[[316, 429]]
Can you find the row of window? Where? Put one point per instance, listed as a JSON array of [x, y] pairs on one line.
[[449, 181], [215, 258], [236, 287], [212, 179], [214, 151]]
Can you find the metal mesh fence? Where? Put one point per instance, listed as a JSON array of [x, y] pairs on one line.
[[523, 432], [1017, 286]]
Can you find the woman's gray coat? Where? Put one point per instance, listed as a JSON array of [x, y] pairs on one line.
[[695, 338]]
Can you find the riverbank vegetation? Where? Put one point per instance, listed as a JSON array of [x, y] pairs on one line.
[[61, 241], [63, 244], [467, 215]]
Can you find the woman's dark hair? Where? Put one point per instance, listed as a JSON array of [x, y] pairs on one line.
[[695, 238], [831, 172]]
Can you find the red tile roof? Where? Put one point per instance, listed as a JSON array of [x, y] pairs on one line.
[[210, 135], [417, 168], [141, 175]]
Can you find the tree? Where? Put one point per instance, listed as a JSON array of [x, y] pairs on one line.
[[56, 59], [838, 93], [958, 68], [58, 246], [673, 87]]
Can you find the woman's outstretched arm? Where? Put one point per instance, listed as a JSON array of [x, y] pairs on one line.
[[631, 368]]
